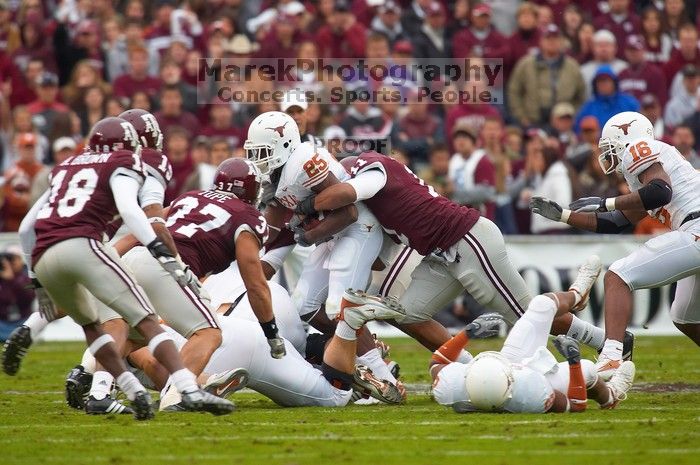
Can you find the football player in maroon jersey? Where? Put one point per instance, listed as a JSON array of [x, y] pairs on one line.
[[87, 192], [463, 251]]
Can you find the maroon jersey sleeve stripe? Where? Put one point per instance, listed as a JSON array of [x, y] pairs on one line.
[[143, 300], [493, 275]]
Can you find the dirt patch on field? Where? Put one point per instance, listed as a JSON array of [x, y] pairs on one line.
[[666, 387]]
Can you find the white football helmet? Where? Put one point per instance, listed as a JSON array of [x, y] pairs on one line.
[[618, 132], [272, 137], [489, 381]]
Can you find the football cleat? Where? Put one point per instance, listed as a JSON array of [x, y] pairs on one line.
[[606, 367], [366, 383], [587, 275], [201, 401], [627, 346], [105, 406], [358, 307], [78, 384], [568, 347], [15, 349], [143, 410], [620, 383], [383, 347], [226, 383]]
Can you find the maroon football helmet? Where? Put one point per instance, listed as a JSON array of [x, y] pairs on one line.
[[240, 177], [112, 133], [146, 126]]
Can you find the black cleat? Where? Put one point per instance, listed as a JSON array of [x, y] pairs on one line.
[[15, 349], [627, 346], [105, 406], [78, 384], [142, 406], [202, 401]]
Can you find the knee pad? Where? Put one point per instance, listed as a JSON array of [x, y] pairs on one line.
[[336, 378], [315, 346], [590, 374], [542, 307]]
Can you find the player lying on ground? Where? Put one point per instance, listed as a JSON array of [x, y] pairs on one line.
[[346, 245], [524, 377], [291, 381], [462, 250], [210, 229], [664, 185], [61, 238]]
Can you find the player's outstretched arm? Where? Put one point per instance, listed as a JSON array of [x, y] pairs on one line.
[[248, 259], [655, 193], [614, 222]]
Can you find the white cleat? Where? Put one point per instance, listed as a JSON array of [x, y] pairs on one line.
[[227, 382], [588, 273], [606, 367], [358, 307], [620, 383]]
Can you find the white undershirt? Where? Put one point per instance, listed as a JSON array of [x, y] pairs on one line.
[[368, 183], [126, 192]]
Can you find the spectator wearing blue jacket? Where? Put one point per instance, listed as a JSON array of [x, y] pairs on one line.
[[607, 99]]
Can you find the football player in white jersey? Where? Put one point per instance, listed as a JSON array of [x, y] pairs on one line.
[[524, 377], [346, 245], [664, 185]]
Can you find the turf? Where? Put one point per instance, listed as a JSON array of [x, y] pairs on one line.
[[658, 424]]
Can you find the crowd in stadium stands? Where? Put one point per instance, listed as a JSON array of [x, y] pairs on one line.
[[569, 65]]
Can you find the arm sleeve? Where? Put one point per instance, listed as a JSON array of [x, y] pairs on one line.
[[368, 183], [27, 236], [125, 190], [152, 192]]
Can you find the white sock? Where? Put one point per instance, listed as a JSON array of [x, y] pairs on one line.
[[612, 350], [586, 333], [128, 383], [184, 381], [36, 324], [373, 360], [101, 384], [464, 357], [88, 362], [345, 331]]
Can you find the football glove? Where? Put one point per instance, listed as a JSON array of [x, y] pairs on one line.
[[588, 205], [47, 309], [547, 208], [173, 266], [277, 349], [300, 236], [486, 325], [306, 206]]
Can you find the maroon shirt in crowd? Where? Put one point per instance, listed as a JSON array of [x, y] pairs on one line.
[[411, 211], [465, 44], [631, 25], [644, 79], [126, 86], [205, 226], [346, 44], [233, 135], [70, 212], [677, 61], [185, 120]]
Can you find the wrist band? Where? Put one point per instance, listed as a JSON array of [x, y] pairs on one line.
[[565, 214], [610, 204], [270, 329]]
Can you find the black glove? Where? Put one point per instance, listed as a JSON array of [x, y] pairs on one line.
[[306, 206]]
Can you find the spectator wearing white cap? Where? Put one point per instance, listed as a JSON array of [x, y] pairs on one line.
[[295, 104], [604, 53], [63, 148], [388, 22]]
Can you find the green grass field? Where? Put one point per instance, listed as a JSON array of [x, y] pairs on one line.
[[658, 424]]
